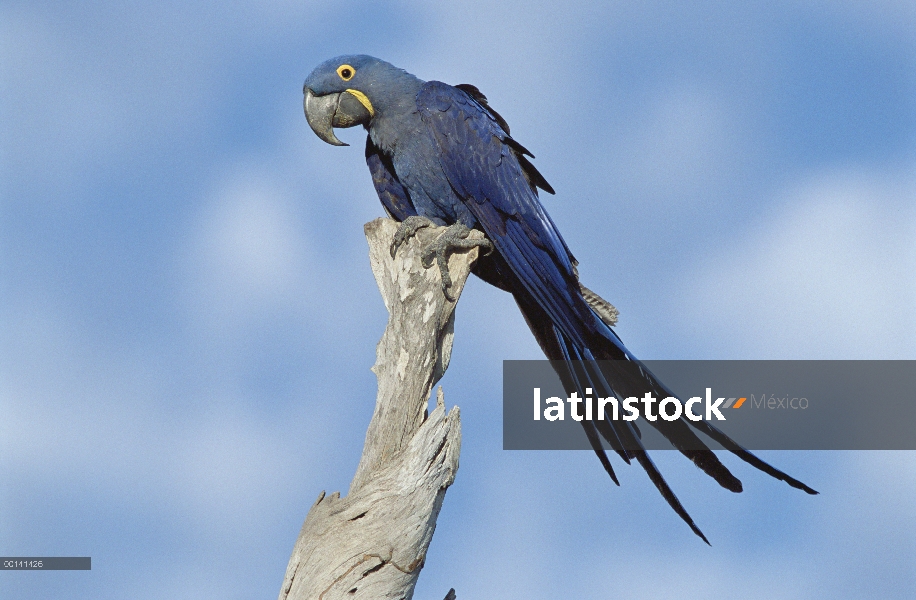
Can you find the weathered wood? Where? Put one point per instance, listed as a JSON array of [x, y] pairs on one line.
[[372, 543]]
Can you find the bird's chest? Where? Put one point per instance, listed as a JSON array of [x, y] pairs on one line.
[[417, 166]]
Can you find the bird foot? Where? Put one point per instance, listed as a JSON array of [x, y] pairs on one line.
[[407, 229], [455, 237]]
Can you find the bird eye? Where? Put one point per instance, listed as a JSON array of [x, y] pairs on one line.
[[346, 72]]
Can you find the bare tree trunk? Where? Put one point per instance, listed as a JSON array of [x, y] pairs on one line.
[[372, 543]]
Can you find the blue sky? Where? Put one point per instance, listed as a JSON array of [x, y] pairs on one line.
[[188, 315]]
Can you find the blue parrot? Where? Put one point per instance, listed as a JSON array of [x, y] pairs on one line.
[[439, 154]]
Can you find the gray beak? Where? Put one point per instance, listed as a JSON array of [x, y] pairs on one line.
[[324, 113]]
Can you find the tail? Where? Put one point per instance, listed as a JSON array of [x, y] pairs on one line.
[[620, 374]]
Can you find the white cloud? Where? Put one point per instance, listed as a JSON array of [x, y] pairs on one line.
[[827, 274], [107, 425], [680, 151], [86, 91], [248, 250]]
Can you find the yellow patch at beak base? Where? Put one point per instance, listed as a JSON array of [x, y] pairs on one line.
[[362, 100]]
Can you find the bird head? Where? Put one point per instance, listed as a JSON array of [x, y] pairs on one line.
[[350, 90]]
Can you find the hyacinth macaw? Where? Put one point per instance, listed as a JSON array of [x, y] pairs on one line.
[[439, 154]]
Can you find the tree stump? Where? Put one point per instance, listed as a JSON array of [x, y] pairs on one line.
[[372, 543]]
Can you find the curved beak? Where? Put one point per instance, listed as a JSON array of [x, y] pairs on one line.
[[324, 113]]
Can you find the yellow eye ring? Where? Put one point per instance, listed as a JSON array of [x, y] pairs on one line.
[[346, 72]]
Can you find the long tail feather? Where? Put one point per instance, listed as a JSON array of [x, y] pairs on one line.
[[745, 455], [606, 366]]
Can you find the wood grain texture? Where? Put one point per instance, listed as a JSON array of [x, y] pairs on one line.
[[372, 543]]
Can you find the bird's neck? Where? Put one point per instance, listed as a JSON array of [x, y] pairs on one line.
[[397, 118]]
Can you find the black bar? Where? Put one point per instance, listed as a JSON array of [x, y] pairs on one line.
[[45, 563]]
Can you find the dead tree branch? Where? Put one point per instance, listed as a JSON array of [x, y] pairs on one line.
[[372, 543]]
